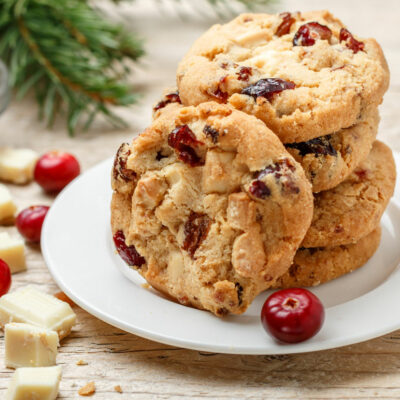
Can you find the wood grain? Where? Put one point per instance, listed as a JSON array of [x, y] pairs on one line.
[[149, 370]]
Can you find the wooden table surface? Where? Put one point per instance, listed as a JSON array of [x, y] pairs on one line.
[[150, 370]]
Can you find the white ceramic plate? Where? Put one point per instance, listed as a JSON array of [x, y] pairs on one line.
[[78, 249]]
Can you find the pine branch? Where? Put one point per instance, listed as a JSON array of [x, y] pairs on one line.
[[70, 55], [73, 59]]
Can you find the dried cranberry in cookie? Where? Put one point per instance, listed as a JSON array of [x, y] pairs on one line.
[[329, 160], [120, 171], [212, 133], [282, 174], [168, 99], [183, 140], [128, 253], [351, 42], [219, 92], [318, 146], [244, 73], [267, 88], [309, 33], [195, 230], [206, 237], [122, 176], [336, 78], [287, 22]]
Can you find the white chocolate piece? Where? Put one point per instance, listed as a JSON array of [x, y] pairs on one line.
[[29, 346], [32, 306], [34, 384], [7, 206], [12, 251], [17, 165]]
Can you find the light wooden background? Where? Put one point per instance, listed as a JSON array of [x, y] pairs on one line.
[[149, 370]]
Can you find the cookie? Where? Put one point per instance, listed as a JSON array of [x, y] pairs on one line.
[[351, 210], [209, 207], [328, 160], [312, 267], [304, 74]]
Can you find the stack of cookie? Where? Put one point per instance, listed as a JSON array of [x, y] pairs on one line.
[[262, 169]]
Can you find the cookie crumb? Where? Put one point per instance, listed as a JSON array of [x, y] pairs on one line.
[[118, 388], [63, 297], [88, 390], [82, 362]]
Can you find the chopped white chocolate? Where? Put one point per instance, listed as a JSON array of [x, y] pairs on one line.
[[34, 383], [29, 346], [7, 206], [17, 165], [12, 251], [32, 306]]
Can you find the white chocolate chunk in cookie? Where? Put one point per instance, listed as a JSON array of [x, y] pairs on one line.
[[252, 37], [12, 251], [241, 211], [17, 165], [219, 176], [176, 266], [7, 205], [248, 256], [150, 191]]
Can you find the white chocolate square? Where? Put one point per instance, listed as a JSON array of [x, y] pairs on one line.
[[7, 206], [31, 306], [34, 384], [29, 346], [17, 165], [12, 251]]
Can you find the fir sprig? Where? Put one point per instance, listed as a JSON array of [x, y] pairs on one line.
[[68, 53]]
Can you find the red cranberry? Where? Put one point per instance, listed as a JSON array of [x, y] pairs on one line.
[[128, 253], [308, 33], [284, 27], [292, 315], [29, 222], [168, 98], [55, 170], [183, 140], [5, 278], [195, 229], [351, 43], [267, 88]]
